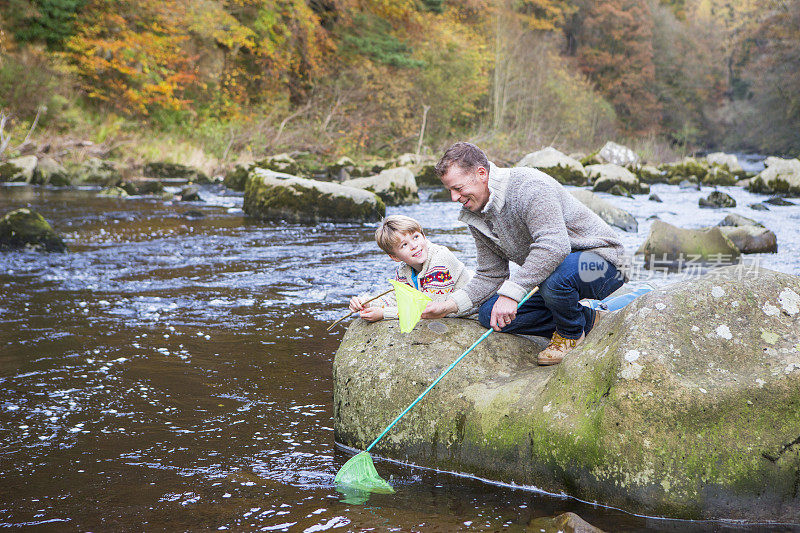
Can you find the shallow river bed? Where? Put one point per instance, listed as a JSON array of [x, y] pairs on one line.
[[173, 370]]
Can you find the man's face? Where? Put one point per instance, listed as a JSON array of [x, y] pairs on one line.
[[470, 189]]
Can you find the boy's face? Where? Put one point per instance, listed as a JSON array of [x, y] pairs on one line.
[[411, 249]]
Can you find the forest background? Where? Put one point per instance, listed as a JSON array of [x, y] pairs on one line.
[[212, 82]]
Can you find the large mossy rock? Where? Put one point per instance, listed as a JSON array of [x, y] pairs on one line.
[[25, 228], [611, 214], [51, 172], [272, 195], [19, 169], [167, 170], [686, 403], [96, 171], [605, 177], [667, 244], [780, 176], [395, 186], [563, 168]]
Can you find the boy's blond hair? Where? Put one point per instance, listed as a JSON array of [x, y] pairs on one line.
[[389, 230]]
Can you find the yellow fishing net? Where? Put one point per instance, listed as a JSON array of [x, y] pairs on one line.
[[410, 305]]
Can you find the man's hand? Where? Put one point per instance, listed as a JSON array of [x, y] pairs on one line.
[[355, 304], [371, 314], [503, 312], [440, 309]]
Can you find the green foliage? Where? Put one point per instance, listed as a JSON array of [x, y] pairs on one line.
[[434, 6], [48, 21], [371, 36]]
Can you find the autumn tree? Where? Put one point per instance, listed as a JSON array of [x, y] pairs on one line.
[[131, 55], [615, 50]]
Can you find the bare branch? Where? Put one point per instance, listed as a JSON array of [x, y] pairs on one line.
[[4, 139], [285, 121], [33, 127]]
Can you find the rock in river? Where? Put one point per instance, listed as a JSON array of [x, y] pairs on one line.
[[717, 199], [606, 176], [275, 196], [781, 176], [25, 228], [667, 244], [748, 235], [19, 169], [682, 404], [554, 163], [395, 186], [612, 215]]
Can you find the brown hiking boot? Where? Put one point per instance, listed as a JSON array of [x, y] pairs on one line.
[[599, 316], [555, 351]]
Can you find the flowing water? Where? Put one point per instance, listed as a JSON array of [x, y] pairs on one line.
[[173, 372]]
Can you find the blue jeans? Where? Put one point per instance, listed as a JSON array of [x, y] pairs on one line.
[[555, 307]]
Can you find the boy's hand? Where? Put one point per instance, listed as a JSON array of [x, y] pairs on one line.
[[440, 309], [355, 304], [372, 314]]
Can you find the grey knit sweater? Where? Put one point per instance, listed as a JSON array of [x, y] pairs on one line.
[[532, 220]]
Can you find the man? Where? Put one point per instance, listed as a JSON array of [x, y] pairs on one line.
[[525, 216]]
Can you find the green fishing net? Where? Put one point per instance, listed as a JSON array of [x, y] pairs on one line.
[[358, 477]]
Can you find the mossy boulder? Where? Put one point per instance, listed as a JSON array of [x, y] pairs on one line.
[[51, 172], [426, 176], [279, 163], [779, 176], [717, 199], [717, 175], [590, 159], [96, 171], [728, 161], [563, 523], [237, 178], [342, 169], [648, 174], [683, 404], [150, 186], [190, 193], [24, 228], [167, 170], [686, 168], [611, 214], [440, 195], [604, 177], [618, 154], [19, 169], [563, 168], [113, 192], [272, 195], [395, 186], [672, 247]]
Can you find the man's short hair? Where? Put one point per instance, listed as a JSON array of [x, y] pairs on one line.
[[466, 155], [389, 230]]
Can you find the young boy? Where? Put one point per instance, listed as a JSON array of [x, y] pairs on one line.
[[428, 267]]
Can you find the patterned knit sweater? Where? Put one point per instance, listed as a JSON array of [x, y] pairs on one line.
[[441, 274], [532, 220]]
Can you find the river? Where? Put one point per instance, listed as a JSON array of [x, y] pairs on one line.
[[173, 371]]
